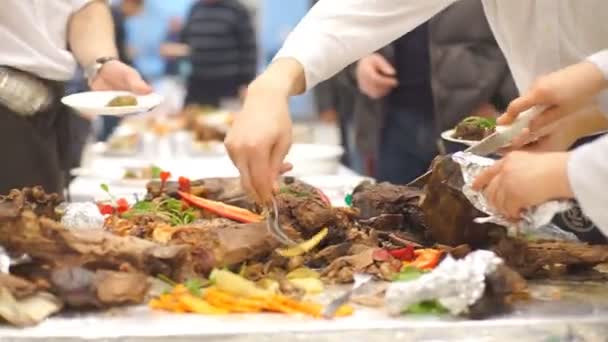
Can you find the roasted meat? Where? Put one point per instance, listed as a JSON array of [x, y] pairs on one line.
[[33, 199], [474, 128], [449, 215], [80, 287], [391, 208], [535, 259], [229, 245], [50, 243]]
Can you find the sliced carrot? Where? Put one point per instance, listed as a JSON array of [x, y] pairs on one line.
[[198, 305], [222, 209]]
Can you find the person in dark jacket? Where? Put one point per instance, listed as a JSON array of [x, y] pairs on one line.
[[424, 83], [222, 50]]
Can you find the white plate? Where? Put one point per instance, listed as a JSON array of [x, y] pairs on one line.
[[95, 103], [448, 135]]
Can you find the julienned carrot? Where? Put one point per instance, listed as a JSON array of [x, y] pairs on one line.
[[198, 305], [222, 209]]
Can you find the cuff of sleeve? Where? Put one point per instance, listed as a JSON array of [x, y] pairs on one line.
[[304, 58], [583, 177], [600, 59]]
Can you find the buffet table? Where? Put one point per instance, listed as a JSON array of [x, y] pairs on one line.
[[557, 311], [561, 312]]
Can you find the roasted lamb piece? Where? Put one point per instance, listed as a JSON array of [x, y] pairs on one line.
[[34, 199], [474, 128], [390, 208], [449, 215], [48, 242]]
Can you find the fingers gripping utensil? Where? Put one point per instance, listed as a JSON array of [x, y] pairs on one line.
[[274, 227], [360, 281], [492, 143]]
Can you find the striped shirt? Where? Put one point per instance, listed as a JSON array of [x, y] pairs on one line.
[[222, 41]]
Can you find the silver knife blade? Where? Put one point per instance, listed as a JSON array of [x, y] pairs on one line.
[[504, 134]]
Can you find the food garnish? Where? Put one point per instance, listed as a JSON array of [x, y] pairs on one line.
[[426, 259], [231, 293], [475, 128], [305, 246], [169, 209], [123, 101], [119, 205], [222, 209]]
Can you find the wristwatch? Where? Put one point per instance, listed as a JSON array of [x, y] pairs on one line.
[[91, 71]]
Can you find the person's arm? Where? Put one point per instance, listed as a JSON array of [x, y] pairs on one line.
[[336, 33], [600, 59], [248, 53], [91, 33], [588, 176], [91, 36], [331, 36]]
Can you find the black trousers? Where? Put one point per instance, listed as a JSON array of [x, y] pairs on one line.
[[34, 149]]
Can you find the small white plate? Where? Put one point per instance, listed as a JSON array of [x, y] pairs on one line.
[[95, 103], [449, 136]]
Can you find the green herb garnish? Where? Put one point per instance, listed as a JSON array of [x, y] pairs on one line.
[[288, 190], [408, 274], [169, 209], [155, 171], [488, 123], [194, 286], [426, 307], [349, 200]]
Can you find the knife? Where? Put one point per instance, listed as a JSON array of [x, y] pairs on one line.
[[492, 143]]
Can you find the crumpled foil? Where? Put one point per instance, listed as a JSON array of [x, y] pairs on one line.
[[535, 222], [83, 215], [456, 284]]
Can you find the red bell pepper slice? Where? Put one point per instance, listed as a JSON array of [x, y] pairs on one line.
[[122, 205], [105, 209], [403, 254], [222, 209], [184, 184], [426, 259]]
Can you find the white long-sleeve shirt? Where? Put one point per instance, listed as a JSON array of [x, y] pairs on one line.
[[600, 59], [536, 36], [588, 176], [33, 36]]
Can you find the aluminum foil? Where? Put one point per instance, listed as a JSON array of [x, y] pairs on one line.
[[456, 284], [535, 222], [83, 215]]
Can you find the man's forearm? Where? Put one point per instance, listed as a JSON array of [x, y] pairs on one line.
[[91, 33], [284, 76]]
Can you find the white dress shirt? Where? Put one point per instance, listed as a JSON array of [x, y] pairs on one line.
[[588, 176], [33, 36], [536, 36]]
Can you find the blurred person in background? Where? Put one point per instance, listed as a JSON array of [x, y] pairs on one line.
[[220, 42], [424, 83], [42, 42], [79, 126]]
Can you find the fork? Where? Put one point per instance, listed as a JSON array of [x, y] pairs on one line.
[[274, 228], [361, 280]]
